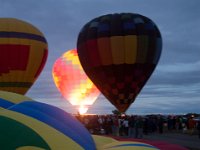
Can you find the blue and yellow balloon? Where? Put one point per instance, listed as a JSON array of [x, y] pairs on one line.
[[31, 125]]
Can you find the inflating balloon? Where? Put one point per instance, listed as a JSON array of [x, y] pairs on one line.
[[23, 53], [72, 82], [103, 142], [35, 125], [8, 99], [119, 52]]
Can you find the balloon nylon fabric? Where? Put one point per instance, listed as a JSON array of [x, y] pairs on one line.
[[119, 52], [23, 53], [57, 119], [19, 135], [8, 99], [71, 80]]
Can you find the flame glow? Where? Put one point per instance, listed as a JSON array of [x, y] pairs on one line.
[[82, 109]]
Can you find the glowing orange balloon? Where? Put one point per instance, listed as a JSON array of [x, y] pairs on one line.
[[72, 82]]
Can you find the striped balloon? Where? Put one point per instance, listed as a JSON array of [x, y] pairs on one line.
[[119, 52], [110, 143], [35, 125], [129, 146], [23, 53], [8, 99]]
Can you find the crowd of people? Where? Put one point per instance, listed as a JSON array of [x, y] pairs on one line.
[[136, 126]]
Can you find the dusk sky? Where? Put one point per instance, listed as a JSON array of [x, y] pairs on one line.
[[174, 87]]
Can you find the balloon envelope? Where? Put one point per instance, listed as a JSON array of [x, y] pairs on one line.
[[103, 142], [72, 81], [23, 53], [37, 125], [8, 99], [119, 53]]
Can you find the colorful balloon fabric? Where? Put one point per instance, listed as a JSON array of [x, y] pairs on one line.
[[35, 125], [28, 124], [72, 82], [162, 145], [112, 144], [129, 145], [8, 99], [119, 52], [23, 53]]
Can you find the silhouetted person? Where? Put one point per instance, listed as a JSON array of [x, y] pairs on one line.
[[198, 128], [139, 128], [146, 123], [131, 126], [160, 124]]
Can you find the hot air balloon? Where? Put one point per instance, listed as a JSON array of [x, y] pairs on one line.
[[103, 142], [23, 53], [35, 125], [119, 52], [121, 143], [72, 82]]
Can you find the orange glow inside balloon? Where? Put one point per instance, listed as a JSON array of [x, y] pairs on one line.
[[72, 82]]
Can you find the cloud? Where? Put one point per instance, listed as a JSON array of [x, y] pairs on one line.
[[180, 67]]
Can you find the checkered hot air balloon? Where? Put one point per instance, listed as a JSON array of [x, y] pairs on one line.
[[73, 83], [119, 52]]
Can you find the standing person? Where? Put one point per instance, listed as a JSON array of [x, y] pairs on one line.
[[101, 122], [121, 126], [131, 127], [146, 123], [140, 127], [170, 123], [198, 128], [115, 125], [126, 126], [109, 124], [136, 127], [160, 124], [191, 125]]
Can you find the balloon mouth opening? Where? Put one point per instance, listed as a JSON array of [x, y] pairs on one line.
[[82, 109], [123, 115]]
